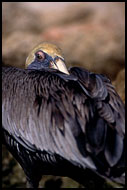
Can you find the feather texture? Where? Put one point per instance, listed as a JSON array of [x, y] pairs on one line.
[[78, 117]]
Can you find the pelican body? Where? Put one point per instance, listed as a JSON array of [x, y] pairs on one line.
[[62, 122]]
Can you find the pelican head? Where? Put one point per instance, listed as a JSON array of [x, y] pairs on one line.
[[46, 55]]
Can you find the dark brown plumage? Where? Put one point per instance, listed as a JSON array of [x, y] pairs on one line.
[[66, 125]]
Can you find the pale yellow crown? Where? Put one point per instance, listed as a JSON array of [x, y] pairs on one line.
[[46, 47]]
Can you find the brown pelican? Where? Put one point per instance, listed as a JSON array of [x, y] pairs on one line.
[[62, 122]]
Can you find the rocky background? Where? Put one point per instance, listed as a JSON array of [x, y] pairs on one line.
[[91, 35]]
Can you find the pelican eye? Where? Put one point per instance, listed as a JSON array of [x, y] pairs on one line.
[[40, 55]]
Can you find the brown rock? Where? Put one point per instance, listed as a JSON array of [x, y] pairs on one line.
[[16, 17], [16, 48], [120, 84], [91, 35]]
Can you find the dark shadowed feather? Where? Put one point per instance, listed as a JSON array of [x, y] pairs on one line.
[[109, 107], [79, 117]]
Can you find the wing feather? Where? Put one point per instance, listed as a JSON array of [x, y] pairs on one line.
[[68, 115], [110, 108], [40, 111]]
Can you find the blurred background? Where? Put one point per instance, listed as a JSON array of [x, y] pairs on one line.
[[90, 34]]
